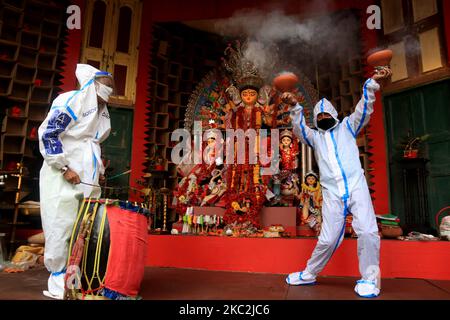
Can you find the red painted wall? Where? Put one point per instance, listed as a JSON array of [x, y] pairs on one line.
[[138, 151], [73, 52], [398, 259]]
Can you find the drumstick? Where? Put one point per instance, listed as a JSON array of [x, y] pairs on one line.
[[97, 186]]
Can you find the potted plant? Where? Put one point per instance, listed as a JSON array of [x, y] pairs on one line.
[[411, 150]]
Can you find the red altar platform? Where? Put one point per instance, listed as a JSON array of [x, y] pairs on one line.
[[399, 259], [285, 216]]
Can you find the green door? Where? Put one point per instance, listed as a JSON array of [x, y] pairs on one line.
[[419, 188], [117, 150]]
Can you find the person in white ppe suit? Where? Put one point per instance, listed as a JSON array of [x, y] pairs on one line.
[[69, 141], [344, 186]]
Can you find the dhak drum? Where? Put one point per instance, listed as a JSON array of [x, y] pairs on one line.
[[107, 250]]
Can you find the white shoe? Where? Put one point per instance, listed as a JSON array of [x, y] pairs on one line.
[[298, 279], [55, 286], [53, 296], [367, 289]]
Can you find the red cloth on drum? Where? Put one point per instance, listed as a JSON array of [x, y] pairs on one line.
[[128, 249]]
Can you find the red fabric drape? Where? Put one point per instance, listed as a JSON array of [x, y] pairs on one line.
[[127, 253]]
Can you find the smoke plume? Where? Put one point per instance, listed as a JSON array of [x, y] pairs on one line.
[[276, 40]]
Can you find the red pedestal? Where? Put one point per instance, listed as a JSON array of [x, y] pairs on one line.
[[286, 216], [398, 259], [305, 231], [210, 211]]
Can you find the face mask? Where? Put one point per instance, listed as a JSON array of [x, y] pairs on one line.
[[326, 123], [103, 91]]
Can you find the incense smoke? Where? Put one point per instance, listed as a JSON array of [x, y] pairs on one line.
[[276, 40]]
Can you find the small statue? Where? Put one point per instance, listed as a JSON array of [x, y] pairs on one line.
[[311, 202], [159, 164], [238, 209], [217, 187], [288, 151], [213, 149], [226, 119], [289, 187]]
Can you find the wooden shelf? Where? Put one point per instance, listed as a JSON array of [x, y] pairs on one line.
[[344, 87], [175, 69], [27, 57], [17, 4], [24, 74], [45, 78], [20, 91], [184, 98], [173, 82], [42, 94], [187, 74], [50, 28], [16, 126], [5, 86], [162, 120], [177, 63], [162, 138], [48, 45], [153, 73], [9, 50], [7, 68], [162, 91], [355, 84], [355, 66], [31, 24], [46, 61], [30, 38], [12, 16], [13, 144], [175, 98]]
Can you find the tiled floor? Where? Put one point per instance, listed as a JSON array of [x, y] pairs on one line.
[[183, 284]]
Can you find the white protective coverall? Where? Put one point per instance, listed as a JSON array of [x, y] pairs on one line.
[[344, 190], [69, 136]]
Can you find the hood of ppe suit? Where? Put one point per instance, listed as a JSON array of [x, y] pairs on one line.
[[325, 106], [84, 73]]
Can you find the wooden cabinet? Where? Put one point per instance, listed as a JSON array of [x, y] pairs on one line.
[[415, 113], [110, 43], [178, 63], [414, 31]]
